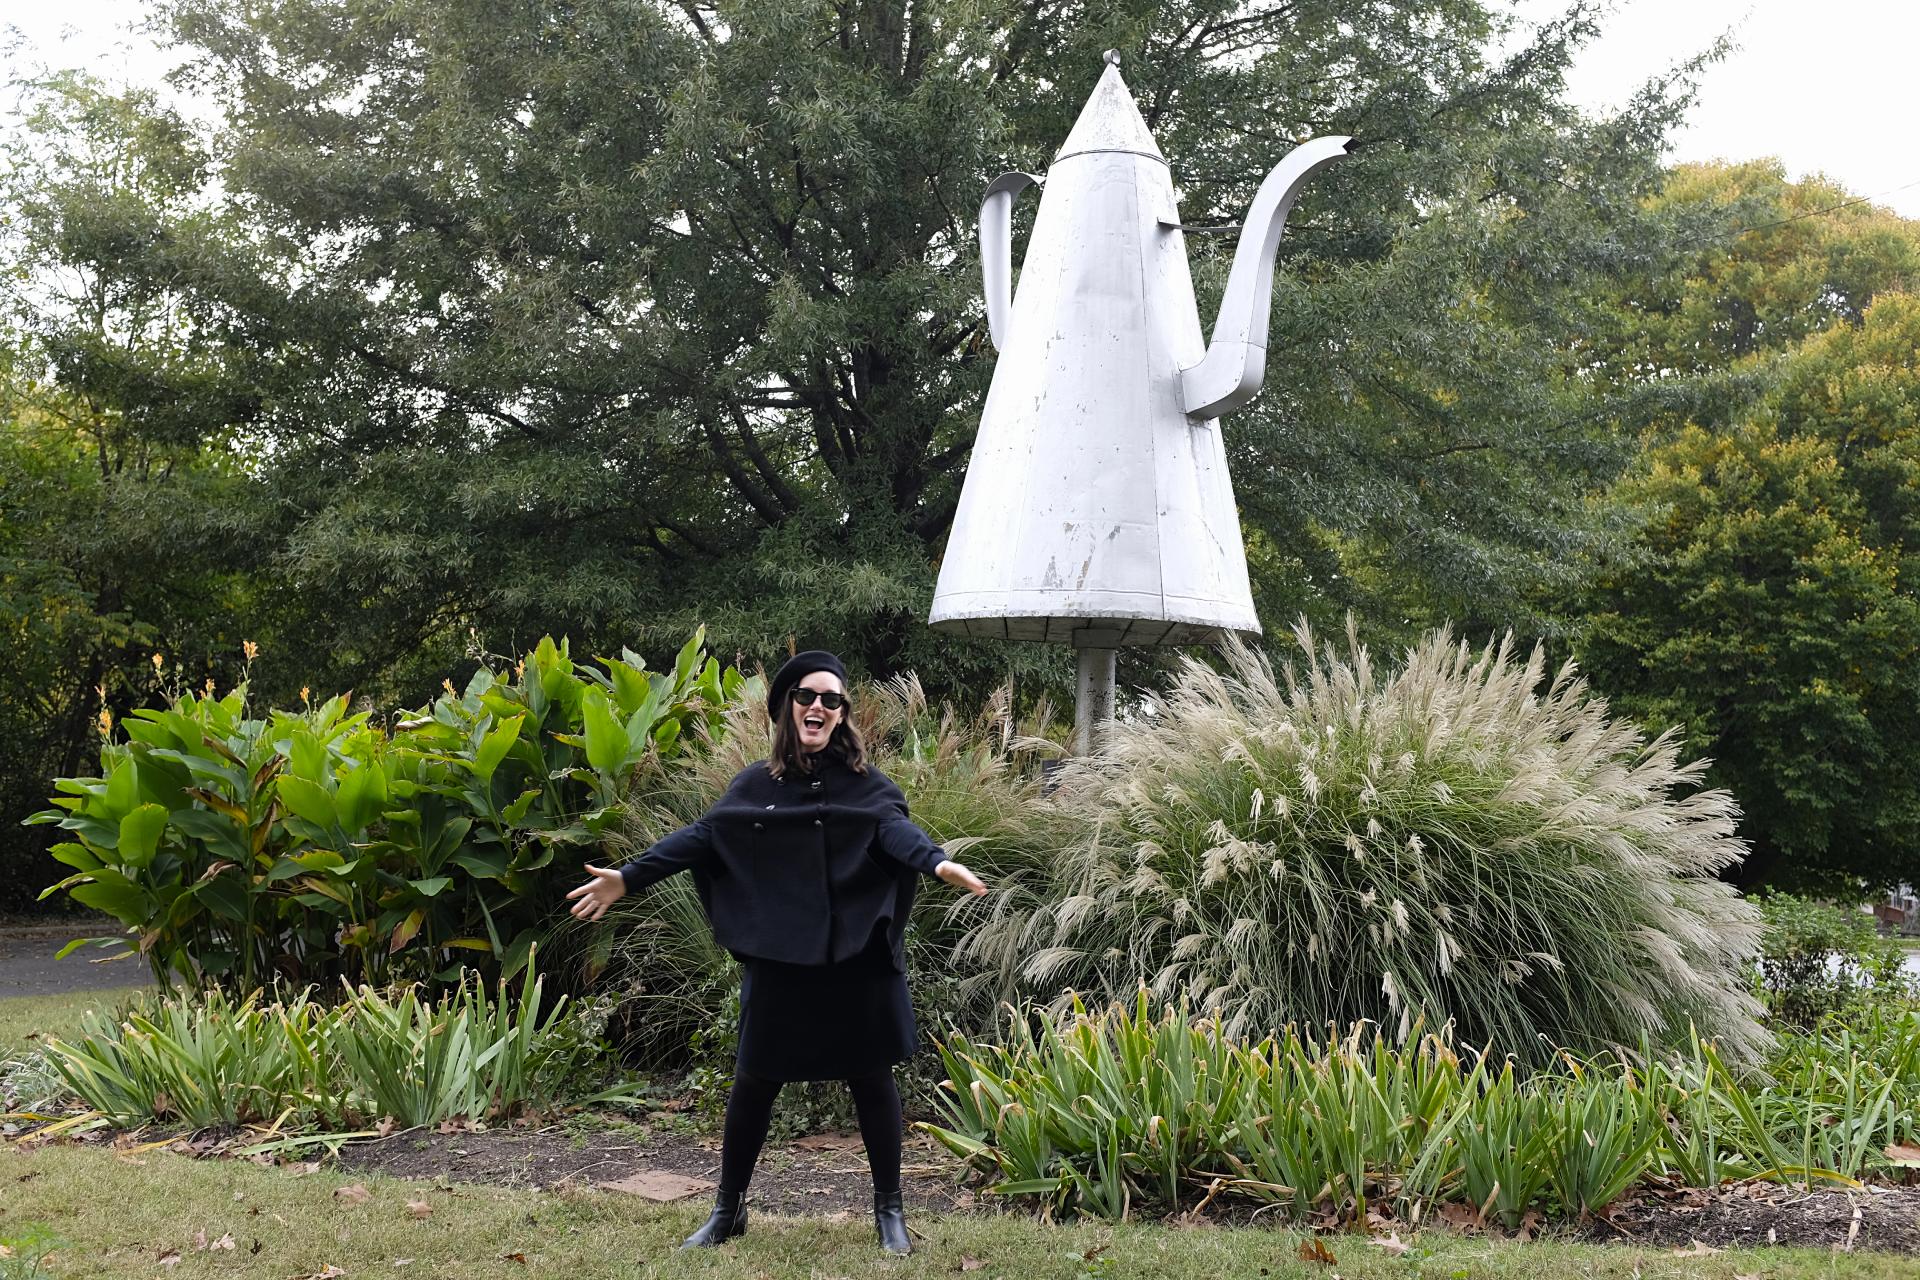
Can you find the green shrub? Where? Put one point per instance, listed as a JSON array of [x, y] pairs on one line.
[[1818, 959], [1458, 843], [1103, 1114], [212, 1059], [313, 845]]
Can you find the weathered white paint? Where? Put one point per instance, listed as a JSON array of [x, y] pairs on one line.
[[1094, 500]]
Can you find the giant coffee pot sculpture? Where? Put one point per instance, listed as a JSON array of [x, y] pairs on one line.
[[1097, 509]]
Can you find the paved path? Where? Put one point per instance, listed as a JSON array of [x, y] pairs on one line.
[[28, 967]]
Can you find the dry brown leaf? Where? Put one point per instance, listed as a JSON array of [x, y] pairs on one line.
[[199, 1238], [1529, 1223], [455, 1125], [970, 1263], [386, 1126], [659, 1187], [844, 1215], [1314, 1249], [167, 1258], [514, 1257], [1094, 1252], [224, 1242], [1393, 1244], [354, 1193], [1695, 1250], [328, 1272], [419, 1208]]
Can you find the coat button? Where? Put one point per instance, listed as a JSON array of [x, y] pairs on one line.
[[814, 783], [759, 826], [818, 823]]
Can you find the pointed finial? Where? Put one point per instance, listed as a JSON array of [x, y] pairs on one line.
[[1112, 56]]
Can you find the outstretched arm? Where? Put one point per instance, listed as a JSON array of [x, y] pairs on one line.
[[902, 839], [605, 886]]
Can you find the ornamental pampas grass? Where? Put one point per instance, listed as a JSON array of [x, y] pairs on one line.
[[1457, 841]]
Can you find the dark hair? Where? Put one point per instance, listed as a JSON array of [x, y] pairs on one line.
[[845, 744]]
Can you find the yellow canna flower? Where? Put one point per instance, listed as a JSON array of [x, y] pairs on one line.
[[305, 693], [158, 662], [106, 722], [251, 649]]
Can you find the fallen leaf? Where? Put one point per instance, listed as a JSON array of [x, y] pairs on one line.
[[1529, 1223], [513, 1257], [845, 1215], [1393, 1244], [224, 1242], [328, 1272], [354, 1193], [660, 1187], [970, 1263], [419, 1208], [1695, 1250], [1094, 1252], [1314, 1249], [386, 1126], [200, 1238], [170, 1258], [451, 1126]]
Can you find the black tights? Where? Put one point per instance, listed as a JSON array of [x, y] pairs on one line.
[[750, 1110]]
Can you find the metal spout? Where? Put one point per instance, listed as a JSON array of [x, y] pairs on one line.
[[1236, 361]]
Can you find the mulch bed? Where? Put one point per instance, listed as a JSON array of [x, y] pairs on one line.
[[1759, 1214], [820, 1175]]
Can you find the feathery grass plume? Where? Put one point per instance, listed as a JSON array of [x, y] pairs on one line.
[[1457, 842]]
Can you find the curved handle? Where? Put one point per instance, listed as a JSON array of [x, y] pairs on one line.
[[1236, 361], [996, 248]]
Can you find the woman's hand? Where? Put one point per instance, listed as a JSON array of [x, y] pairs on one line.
[[597, 895], [960, 878]]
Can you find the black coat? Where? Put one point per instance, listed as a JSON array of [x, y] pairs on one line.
[[801, 869]]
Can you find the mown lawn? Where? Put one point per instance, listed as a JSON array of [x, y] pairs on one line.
[[159, 1214], [53, 1015]]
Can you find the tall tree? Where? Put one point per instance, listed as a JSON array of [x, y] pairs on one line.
[[610, 316]]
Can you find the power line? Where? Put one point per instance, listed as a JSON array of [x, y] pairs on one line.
[[1810, 213]]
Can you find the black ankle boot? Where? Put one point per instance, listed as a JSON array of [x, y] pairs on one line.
[[890, 1220], [729, 1219]]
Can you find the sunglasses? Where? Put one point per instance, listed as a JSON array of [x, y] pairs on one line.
[[830, 700]]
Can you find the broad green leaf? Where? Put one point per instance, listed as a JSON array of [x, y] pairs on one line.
[[494, 747], [140, 834], [308, 800], [74, 855], [431, 887], [362, 793], [490, 863], [607, 743], [517, 811]]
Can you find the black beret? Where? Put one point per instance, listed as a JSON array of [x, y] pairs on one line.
[[797, 668]]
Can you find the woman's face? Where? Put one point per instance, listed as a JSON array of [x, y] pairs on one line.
[[814, 725]]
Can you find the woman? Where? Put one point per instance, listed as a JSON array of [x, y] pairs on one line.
[[806, 868]]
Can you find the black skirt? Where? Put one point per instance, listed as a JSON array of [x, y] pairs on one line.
[[824, 1022]]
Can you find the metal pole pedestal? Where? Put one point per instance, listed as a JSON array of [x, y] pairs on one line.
[[1094, 659]]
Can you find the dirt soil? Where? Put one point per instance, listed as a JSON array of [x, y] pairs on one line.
[[820, 1175], [1760, 1214], [827, 1174]]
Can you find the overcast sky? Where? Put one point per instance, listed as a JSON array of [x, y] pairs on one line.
[[1826, 85]]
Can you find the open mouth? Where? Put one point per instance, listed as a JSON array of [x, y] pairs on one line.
[[815, 722]]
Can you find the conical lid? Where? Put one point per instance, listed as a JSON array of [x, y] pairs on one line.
[[1110, 121]]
